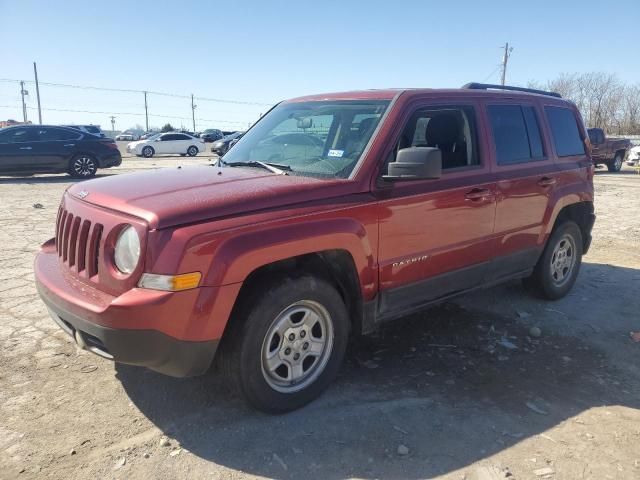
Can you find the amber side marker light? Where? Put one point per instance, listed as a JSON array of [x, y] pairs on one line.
[[170, 283]]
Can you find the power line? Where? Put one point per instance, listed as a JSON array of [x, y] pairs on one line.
[[126, 90], [492, 73], [173, 117]]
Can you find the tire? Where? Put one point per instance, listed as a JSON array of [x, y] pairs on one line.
[[558, 267], [267, 335], [615, 165], [148, 152], [83, 166], [192, 151]]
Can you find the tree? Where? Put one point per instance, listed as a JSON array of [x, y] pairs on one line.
[[604, 101], [167, 128]]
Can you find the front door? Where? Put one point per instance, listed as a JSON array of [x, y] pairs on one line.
[[436, 235], [15, 150]]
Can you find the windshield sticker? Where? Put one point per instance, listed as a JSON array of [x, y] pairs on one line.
[[336, 153]]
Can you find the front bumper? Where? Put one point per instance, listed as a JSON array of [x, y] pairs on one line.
[[146, 348], [175, 334]]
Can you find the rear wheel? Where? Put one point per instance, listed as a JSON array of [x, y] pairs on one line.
[[558, 267], [147, 152], [286, 343], [615, 165], [192, 151], [83, 166]]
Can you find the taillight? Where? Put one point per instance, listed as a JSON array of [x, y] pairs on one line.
[[587, 146], [111, 145]]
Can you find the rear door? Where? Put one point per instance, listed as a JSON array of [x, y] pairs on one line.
[[53, 147], [526, 178], [15, 150], [182, 143], [436, 235]]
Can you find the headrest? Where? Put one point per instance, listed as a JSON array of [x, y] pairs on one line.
[[443, 129]]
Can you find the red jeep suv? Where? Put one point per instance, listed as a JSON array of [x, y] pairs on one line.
[[333, 213]]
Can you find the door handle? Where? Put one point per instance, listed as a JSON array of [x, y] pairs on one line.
[[547, 181], [26, 148], [477, 194], [69, 144]]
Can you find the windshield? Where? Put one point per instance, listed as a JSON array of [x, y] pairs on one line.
[[154, 136], [324, 139]]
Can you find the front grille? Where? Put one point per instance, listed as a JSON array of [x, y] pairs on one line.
[[78, 242]]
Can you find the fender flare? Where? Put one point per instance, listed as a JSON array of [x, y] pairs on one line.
[[240, 255]]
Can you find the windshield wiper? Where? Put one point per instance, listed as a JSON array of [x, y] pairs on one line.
[[272, 167]]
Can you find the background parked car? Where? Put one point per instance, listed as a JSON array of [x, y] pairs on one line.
[[92, 129], [147, 135], [211, 135], [29, 149], [606, 150], [131, 136], [633, 158], [167, 143], [223, 145]]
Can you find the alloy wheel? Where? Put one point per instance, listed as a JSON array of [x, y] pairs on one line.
[[84, 166]]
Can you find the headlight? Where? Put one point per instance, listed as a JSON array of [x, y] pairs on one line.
[[127, 253]]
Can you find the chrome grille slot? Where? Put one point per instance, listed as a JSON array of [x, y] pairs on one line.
[[78, 242], [93, 251], [82, 245], [73, 239], [65, 237]]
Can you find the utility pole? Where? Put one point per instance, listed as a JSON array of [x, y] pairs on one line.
[[113, 124], [193, 113], [35, 73], [23, 92], [146, 112], [505, 60]]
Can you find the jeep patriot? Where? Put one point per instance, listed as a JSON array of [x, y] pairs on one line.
[[332, 214]]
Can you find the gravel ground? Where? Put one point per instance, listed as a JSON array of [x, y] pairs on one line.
[[436, 395]]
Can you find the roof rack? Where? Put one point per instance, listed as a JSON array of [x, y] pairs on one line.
[[487, 86]]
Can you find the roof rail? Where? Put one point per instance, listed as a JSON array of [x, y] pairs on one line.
[[487, 86]]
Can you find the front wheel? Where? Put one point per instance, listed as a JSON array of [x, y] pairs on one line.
[[83, 166], [616, 164], [558, 267], [147, 152], [192, 151], [287, 343]]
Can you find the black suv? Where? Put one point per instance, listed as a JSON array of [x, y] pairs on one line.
[[29, 149]]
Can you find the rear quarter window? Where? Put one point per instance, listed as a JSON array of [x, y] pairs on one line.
[[565, 131]]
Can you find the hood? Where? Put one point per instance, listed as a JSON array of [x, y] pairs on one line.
[[175, 196]]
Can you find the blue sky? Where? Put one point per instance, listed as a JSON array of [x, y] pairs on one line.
[[265, 51]]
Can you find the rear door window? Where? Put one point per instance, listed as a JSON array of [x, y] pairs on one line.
[[565, 132], [51, 134], [516, 134]]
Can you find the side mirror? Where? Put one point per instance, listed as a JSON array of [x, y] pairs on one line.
[[415, 163]]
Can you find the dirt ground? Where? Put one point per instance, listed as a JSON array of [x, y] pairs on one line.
[[442, 394]]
